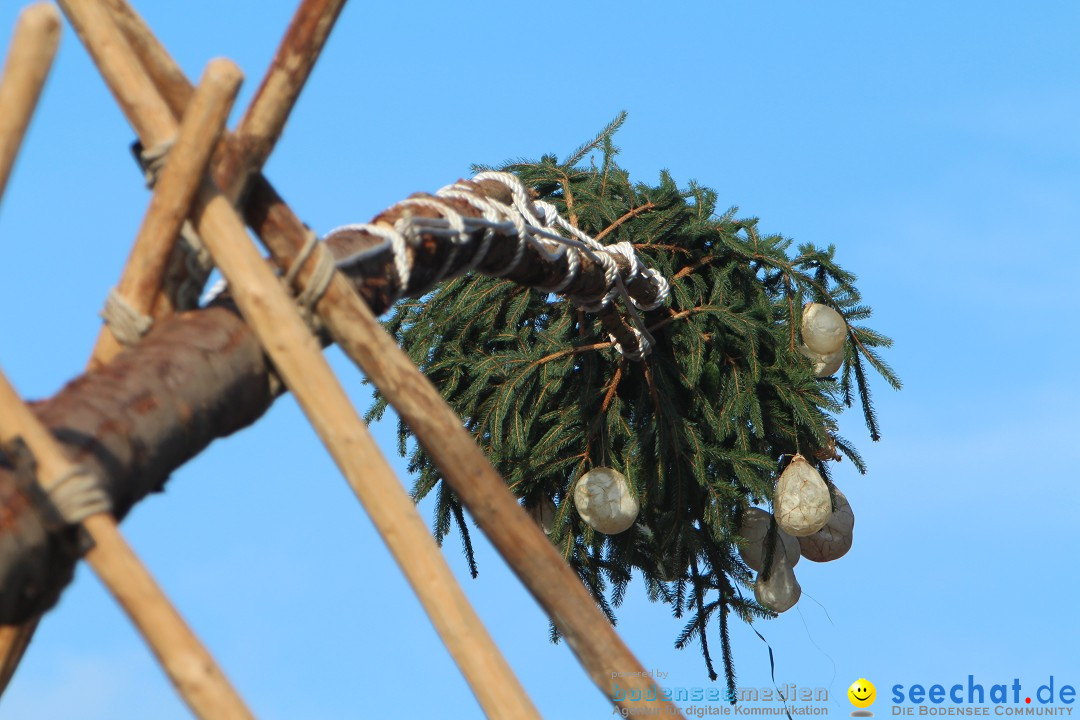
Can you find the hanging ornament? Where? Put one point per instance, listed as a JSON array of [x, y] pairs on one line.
[[823, 329], [544, 514], [605, 501], [754, 529], [824, 365], [801, 501], [781, 591], [834, 540]]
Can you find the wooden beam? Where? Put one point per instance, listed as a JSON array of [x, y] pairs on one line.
[[265, 117], [298, 358], [352, 325], [188, 664], [29, 59], [33, 47], [14, 639], [188, 160]]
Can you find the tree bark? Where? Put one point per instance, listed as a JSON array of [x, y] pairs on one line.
[[196, 377]]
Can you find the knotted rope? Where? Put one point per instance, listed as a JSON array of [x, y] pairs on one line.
[[534, 224], [77, 494]]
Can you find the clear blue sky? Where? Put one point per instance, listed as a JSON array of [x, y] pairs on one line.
[[936, 144]]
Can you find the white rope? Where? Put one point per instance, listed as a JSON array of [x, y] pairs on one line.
[[534, 224], [318, 280], [126, 323], [77, 494], [153, 159]]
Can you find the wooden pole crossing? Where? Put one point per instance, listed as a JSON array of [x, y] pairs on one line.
[[164, 108]]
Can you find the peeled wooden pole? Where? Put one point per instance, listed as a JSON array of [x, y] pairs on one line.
[[298, 358], [188, 159], [352, 325], [263, 121], [29, 58], [188, 664], [33, 47], [14, 640], [240, 159]]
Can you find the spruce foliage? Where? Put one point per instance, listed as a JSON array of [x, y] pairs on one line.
[[701, 427]]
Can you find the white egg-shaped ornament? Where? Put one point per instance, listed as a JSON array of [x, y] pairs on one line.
[[834, 540], [544, 514], [824, 365], [823, 329], [605, 501], [754, 529], [781, 591], [801, 502]]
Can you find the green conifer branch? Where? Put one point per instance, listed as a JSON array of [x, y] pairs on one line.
[[698, 426]]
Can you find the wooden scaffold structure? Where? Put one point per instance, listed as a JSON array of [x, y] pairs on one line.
[[69, 466]]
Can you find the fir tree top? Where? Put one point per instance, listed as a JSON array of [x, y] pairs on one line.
[[701, 427]]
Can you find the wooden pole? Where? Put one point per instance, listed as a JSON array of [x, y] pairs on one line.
[[14, 640], [33, 46], [264, 120], [353, 327], [238, 160], [298, 358], [29, 58], [188, 160], [188, 664]]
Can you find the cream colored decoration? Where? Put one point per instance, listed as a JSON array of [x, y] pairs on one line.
[[823, 329], [834, 540], [781, 591], [605, 500], [754, 528], [824, 365], [801, 502], [544, 514]]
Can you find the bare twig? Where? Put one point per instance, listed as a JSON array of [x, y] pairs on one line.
[[33, 47], [630, 215], [200, 129], [188, 664]]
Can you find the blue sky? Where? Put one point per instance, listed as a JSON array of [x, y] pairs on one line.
[[936, 144]]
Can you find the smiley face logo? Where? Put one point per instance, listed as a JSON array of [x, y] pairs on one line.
[[862, 693]]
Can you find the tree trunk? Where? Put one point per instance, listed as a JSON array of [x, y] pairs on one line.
[[201, 375]]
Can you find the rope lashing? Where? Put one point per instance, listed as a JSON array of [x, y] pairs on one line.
[[320, 278], [197, 261], [126, 323], [77, 494], [532, 223], [152, 159]]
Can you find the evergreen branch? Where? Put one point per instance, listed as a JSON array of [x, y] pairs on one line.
[[466, 540], [696, 426], [857, 335], [575, 157], [864, 396]]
